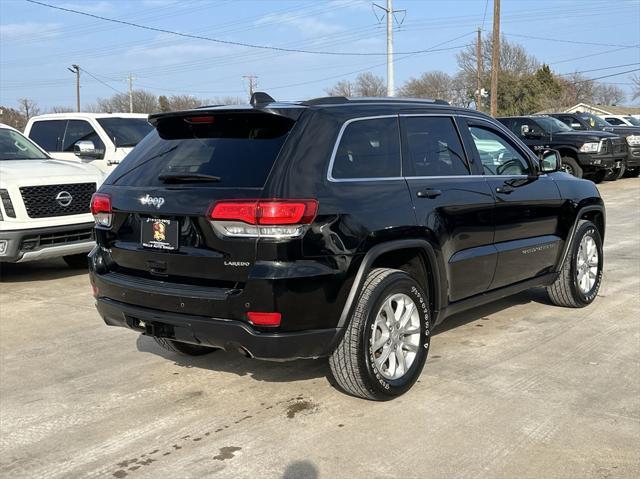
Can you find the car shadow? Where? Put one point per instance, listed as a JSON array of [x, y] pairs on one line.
[[44, 270], [236, 363], [534, 295]]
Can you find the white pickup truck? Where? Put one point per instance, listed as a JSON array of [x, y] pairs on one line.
[[44, 203], [102, 139]]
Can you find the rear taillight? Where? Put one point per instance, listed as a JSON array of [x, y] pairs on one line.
[[263, 218], [101, 209], [264, 319]]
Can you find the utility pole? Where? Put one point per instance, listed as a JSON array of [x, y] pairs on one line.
[[130, 78], [253, 83], [76, 69], [389, 12], [495, 57], [479, 71]]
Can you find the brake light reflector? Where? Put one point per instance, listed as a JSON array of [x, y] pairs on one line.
[[101, 209], [264, 319], [264, 218]]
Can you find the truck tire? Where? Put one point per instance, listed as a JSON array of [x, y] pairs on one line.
[[77, 261], [571, 166], [386, 342], [632, 172], [185, 349], [614, 174], [581, 275]]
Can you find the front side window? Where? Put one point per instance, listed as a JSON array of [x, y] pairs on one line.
[[433, 147], [593, 121], [571, 122], [48, 134], [614, 121], [80, 130], [125, 132], [368, 149], [497, 155], [14, 146]]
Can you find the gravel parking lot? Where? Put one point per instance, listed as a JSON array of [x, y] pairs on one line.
[[517, 388]]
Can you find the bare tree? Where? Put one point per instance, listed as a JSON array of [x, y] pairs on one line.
[[28, 108], [342, 88], [576, 89], [606, 94], [368, 84], [143, 102], [635, 79], [13, 118], [435, 84]]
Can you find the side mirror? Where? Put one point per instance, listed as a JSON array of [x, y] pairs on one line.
[[87, 149], [550, 161]]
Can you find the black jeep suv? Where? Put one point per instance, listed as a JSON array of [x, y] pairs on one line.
[[337, 227], [584, 121], [596, 155]]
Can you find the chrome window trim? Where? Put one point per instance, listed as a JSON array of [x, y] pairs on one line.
[[499, 126], [337, 144]]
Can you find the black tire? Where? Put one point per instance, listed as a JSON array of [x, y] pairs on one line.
[[565, 290], [571, 166], [352, 362], [77, 261], [614, 174], [599, 176], [185, 349]]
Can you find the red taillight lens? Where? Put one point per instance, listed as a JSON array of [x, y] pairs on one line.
[[266, 212], [264, 319], [101, 209]]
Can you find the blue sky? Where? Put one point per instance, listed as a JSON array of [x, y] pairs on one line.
[[37, 44]]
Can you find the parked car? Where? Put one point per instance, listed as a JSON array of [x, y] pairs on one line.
[[337, 227], [621, 120], [588, 121], [44, 212], [102, 139], [592, 154]]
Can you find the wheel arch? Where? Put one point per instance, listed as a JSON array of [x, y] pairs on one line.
[[594, 213], [417, 257]]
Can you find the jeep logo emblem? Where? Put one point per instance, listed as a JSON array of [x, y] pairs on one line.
[[64, 198], [156, 201]]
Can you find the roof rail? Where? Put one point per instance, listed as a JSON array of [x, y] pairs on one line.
[[334, 100]]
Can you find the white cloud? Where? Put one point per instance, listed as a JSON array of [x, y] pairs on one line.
[[308, 26], [28, 30]]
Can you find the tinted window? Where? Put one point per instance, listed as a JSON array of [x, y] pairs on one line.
[[432, 147], [368, 149], [14, 146], [125, 131], [497, 155], [80, 130], [614, 121], [238, 148], [571, 122], [48, 134]]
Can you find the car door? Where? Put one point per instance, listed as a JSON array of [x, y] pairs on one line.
[[527, 205], [452, 206], [79, 130]]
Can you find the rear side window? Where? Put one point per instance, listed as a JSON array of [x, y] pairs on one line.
[[433, 147], [80, 130], [238, 148], [368, 148], [48, 134]]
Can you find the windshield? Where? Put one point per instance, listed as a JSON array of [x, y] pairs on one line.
[[237, 149], [593, 120], [14, 146], [552, 125], [125, 132], [634, 121]]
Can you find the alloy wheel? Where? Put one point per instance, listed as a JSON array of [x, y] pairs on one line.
[[587, 264]]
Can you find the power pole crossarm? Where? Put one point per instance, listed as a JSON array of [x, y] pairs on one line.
[[495, 57]]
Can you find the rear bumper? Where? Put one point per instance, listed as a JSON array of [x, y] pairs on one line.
[[41, 243], [220, 333]]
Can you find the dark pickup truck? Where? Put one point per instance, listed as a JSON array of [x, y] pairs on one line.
[[583, 121], [596, 155]]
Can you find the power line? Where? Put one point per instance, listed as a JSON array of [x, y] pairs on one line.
[[592, 55], [100, 81], [484, 16], [575, 42], [214, 40], [599, 69], [607, 76]]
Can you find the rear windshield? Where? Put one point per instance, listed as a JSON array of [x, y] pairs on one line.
[[125, 132], [238, 149]]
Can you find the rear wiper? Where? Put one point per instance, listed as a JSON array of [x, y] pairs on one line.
[[187, 177]]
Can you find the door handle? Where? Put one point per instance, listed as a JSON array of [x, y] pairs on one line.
[[428, 193], [505, 189]]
